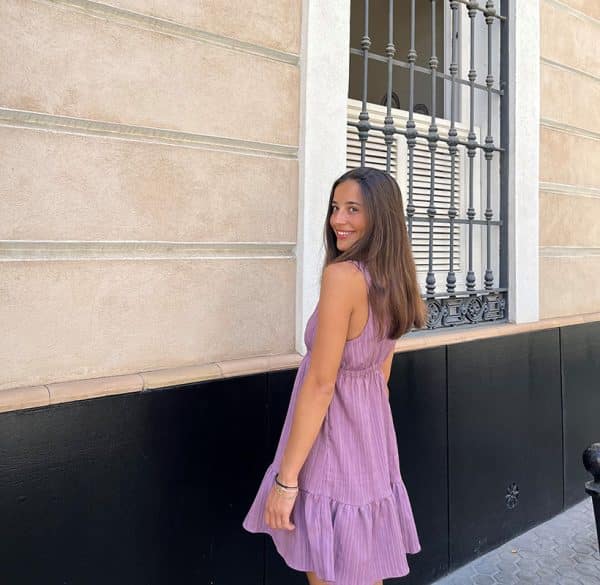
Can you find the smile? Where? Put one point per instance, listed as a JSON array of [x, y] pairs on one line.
[[343, 234]]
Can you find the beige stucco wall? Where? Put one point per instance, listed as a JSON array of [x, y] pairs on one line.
[[149, 187], [569, 155]]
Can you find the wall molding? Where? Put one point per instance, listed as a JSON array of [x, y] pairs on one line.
[[84, 127], [79, 250], [166, 27], [568, 68], [568, 251], [568, 129], [572, 190], [574, 11], [43, 395]]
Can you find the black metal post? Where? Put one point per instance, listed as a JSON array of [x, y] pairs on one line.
[[591, 461]]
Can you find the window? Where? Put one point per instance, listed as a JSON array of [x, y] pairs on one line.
[[434, 125]]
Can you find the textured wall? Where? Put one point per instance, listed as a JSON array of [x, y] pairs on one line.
[[150, 184], [569, 154]]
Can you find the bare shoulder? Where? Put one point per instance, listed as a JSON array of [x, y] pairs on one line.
[[343, 277]]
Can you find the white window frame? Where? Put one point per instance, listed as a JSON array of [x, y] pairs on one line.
[[324, 64]]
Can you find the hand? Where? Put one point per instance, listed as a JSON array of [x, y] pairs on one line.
[[278, 509]]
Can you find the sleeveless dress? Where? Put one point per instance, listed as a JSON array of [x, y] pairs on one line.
[[352, 515]]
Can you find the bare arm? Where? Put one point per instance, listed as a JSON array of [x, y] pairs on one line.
[[386, 368], [336, 302]]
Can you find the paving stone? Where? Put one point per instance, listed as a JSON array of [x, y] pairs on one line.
[[562, 551], [581, 559], [589, 570], [506, 566], [508, 556], [527, 565], [482, 580], [546, 574], [582, 548], [505, 577], [526, 577], [485, 568]]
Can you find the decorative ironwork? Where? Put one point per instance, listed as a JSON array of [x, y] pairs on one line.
[[468, 310], [512, 496], [477, 302]]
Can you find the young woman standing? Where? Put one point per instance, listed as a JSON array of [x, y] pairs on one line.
[[333, 500]]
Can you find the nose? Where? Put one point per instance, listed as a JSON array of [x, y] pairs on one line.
[[338, 217]]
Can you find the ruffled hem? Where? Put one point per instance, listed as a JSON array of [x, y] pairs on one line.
[[342, 543]]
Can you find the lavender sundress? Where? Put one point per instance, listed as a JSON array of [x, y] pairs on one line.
[[353, 519]]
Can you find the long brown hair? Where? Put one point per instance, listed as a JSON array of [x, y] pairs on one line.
[[385, 249]]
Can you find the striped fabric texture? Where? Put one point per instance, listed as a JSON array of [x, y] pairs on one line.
[[353, 519]]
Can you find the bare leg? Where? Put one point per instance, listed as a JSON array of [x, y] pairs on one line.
[[314, 580]]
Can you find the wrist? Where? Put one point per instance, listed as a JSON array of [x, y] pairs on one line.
[[287, 478]]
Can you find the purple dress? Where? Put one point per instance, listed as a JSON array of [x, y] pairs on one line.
[[352, 515]]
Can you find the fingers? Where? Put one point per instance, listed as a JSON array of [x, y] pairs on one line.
[[277, 512], [281, 521]]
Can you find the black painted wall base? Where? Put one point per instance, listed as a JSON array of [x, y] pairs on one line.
[[152, 488], [504, 439]]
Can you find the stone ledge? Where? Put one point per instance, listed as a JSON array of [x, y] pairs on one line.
[[426, 339], [94, 388], [21, 398], [56, 393]]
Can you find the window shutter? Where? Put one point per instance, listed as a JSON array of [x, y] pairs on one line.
[[442, 194], [375, 156]]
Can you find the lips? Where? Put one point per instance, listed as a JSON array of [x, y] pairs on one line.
[[343, 235]]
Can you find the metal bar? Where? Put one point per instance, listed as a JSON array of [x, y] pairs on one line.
[[465, 143], [452, 146], [363, 117], [424, 70], [463, 294], [471, 149], [596, 500], [388, 125], [484, 10], [411, 130], [432, 143], [503, 278], [425, 137], [489, 141], [423, 218]]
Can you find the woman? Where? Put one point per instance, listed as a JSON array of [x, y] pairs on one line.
[[333, 499]]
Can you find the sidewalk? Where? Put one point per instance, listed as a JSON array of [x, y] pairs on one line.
[[562, 551]]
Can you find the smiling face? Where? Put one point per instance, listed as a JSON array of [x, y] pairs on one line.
[[348, 214]]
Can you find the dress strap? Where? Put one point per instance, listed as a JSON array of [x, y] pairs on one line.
[[361, 266]]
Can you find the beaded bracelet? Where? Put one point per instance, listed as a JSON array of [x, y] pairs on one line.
[[284, 493]]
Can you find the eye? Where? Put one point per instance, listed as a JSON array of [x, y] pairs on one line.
[[354, 209]]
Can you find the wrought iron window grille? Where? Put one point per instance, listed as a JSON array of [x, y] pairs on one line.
[[446, 166]]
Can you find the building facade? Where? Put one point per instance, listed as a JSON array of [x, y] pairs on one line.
[[167, 168]]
